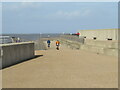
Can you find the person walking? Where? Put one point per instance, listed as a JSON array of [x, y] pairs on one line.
[[18, 39], [48, 42], [57, 44]]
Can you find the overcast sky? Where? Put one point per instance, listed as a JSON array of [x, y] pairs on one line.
[[51, 17]]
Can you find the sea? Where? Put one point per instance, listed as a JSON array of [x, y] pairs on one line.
[[6, 38]]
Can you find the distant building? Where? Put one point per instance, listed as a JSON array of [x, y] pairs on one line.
[[100, 34]]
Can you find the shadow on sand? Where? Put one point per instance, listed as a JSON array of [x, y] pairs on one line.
[[36, 56]]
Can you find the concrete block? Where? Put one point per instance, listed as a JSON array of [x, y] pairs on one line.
[[17, 52]]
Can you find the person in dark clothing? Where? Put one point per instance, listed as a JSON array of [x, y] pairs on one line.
[[48, 42]]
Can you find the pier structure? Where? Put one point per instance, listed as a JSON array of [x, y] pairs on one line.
[[64, 68]]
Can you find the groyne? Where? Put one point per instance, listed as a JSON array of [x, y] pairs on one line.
[[15, 53]]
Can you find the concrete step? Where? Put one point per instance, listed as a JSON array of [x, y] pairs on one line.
[[104, 44], [100, 50]]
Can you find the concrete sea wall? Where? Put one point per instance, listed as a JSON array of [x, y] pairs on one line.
[[16, 52], [95, 46], [72, 38], [100, 34], [70, 44], [39, 44], [101, 47]]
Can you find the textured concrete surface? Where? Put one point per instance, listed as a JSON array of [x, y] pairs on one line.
[[102, 43], [16, 52], [100, 34], [65, 68], [96, 46]]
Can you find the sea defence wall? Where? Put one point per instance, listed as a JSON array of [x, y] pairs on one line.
[[73, 38], [40, 45], [100, 34], [15, 53], [101, 47], [95, 46], [70, 44]]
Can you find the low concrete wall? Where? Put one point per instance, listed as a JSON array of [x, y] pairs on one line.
[[16, 52], [70, 44], [103, 44], [39, 44], [73, 38], [100, 50], [96, 46]]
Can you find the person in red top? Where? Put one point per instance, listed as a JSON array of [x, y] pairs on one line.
[[57, 44]]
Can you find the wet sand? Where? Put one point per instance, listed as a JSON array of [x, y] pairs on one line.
[[64, 68]]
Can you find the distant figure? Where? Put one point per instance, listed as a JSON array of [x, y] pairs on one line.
[[57, 44], [18, 39], [48, 42], [13, 40]]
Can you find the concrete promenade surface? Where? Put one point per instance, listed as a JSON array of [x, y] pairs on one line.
[[65, 68]]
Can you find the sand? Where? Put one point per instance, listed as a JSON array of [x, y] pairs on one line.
[[64, 68]]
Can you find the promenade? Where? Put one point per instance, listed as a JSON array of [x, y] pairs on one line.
[[64, 68]]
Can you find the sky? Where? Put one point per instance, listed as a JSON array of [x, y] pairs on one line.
[[58, 17]]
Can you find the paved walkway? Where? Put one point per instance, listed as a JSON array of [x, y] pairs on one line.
[[65, 68]]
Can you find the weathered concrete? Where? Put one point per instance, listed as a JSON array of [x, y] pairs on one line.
[[39, 45], [16, 52], [101, 47], [104, 44], [73, 38], [100, 34], [100, 50], [70, 44], [64, 68], [96, 46]]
